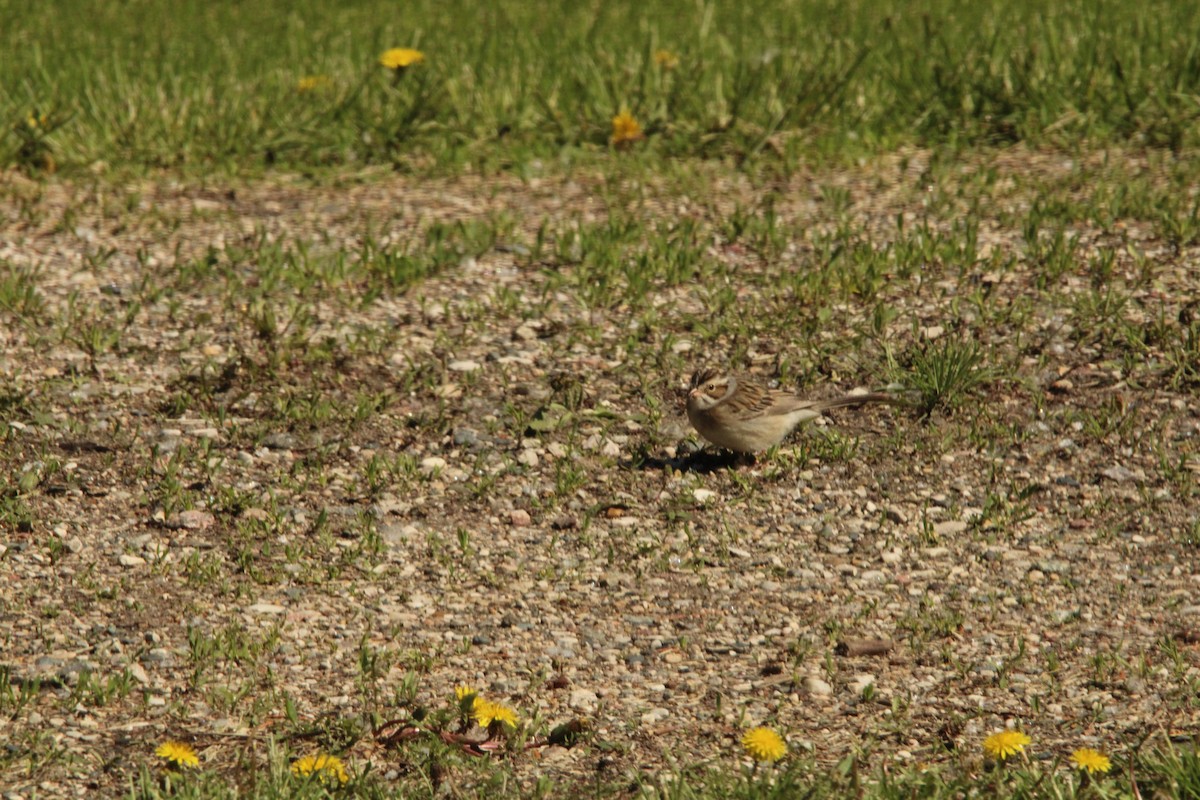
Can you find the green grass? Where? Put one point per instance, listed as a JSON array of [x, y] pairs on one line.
[[530, 87], [1163, 770]]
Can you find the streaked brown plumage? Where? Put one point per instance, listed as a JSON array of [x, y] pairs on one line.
[[747, 417]]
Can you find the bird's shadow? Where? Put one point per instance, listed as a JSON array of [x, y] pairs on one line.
[[701, 462]]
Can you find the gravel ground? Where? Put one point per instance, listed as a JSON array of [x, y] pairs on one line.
[[201, 522]]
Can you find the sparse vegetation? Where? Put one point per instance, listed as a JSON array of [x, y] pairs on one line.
[[330, 381]]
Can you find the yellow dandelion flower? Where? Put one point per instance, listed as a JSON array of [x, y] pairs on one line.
[[177, 754], [310, 83], [1002, 744], [326, 768], [764, 744], [666, 59], [487, 713], [463, 691], [1092, 761], [625, 129], [401, 57]]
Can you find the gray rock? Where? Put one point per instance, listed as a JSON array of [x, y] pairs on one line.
[[583, 700], [158, 657], [280, 441], [1122, 474], [466, 437]]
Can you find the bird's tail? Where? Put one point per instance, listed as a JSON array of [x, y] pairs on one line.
[[891, 398]]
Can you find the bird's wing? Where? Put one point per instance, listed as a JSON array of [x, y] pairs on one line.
[[774, 402]]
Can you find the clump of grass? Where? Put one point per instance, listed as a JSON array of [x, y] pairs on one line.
[[941, 376]]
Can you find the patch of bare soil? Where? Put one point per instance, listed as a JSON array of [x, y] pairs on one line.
[[261, 492]]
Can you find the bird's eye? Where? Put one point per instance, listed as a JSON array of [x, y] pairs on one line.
[[712, 387]]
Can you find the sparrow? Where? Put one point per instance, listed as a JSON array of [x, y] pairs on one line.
[[746, 417]]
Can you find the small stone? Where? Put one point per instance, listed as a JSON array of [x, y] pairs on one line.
[[817, 687], [129, 560], [655, 715], [48, 665], [265, 608], [520, 518], [430, 464], [466, 437], [279, 441], [861, 682], [949, 527], [157, 656], [193, 520], [465, 365], [583, 700], [703, 495], [528, 457], [1122, 474], [610, 449]]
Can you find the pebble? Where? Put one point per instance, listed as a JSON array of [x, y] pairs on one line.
[[703, 495], [861, 682], [655, 715], [279, 441], [528, 457], [815, 686], [129, 560], [157, 656], [465, 365], [266, 608], [466, 437], [395, 533], [193, 519], [431, 463], [1122, 474], [949, 527], [520, 518]]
